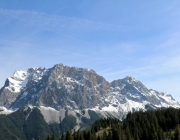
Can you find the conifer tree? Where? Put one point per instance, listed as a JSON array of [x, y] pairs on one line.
[[109, 137], [86, 135], [62, 137], [53, 137], [115, 134], [81, 138], [78, 135], [38, 138], [177, 133], [136, 136], [104, 135], [69, 135], [98, 138], [48, 138]]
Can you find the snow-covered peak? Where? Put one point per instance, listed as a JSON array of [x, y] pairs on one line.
[[17, 81], [79, 88], [20, 78], [130, 80], [19, 75]]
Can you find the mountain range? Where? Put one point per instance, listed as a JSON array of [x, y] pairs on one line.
[[64, 93]]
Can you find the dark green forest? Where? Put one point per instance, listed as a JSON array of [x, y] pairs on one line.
[[27, 124], [161, 124]]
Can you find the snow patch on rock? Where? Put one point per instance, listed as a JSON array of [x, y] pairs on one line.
[[5, 111]]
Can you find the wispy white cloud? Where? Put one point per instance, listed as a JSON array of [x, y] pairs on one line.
[[50, 23], [38, 49], [57, 23], [15, 43]]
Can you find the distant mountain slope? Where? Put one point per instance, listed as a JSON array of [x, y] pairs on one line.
[[29, 122], [78, 91], [25, 124]]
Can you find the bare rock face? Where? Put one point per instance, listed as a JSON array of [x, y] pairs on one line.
[[71, 88], [58, 87]]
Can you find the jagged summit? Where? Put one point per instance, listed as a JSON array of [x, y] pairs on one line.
[[80, 69], [130, 78], [127, 79], [72, 88]]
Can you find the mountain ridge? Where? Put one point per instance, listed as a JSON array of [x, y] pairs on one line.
[[75, 89]]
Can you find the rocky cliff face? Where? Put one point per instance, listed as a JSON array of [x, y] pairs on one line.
[[76, 89], [57, 87]]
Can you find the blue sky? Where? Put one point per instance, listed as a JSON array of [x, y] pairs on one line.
[[115, 38]]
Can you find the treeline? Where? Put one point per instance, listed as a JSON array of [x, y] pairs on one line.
[[154, 124], [161, 124]]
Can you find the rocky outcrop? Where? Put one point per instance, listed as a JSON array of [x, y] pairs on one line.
[[72, 88]]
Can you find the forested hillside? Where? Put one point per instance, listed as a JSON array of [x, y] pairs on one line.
[[159, 124], [26, 124]]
